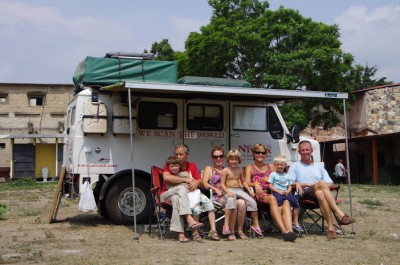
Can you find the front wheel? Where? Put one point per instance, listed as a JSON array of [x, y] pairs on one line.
[[120, 201]]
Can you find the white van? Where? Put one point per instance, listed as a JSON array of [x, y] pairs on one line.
[[101, 147]]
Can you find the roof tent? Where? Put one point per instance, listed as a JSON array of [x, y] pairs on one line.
[[107, 71]]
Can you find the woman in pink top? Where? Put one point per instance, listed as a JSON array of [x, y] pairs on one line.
[[257, 177]]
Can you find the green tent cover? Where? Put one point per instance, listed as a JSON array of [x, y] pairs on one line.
[[108, 71], [213, 81]]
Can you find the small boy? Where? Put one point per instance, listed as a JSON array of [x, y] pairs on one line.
[[199, 202], [281, 187]]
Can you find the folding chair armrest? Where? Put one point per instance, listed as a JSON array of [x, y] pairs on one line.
[[335, 188], [154, 189]]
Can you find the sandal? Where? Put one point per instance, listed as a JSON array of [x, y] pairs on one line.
[[213, 235], [182, 238], [194, 226], [197, 238], [231, 237], [242, 235], [225, 230], [257, 230]]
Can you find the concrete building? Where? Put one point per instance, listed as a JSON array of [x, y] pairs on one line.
[[31, 122], [373, 131]]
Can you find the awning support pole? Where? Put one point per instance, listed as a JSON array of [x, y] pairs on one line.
[[135, 235], [348, 163]]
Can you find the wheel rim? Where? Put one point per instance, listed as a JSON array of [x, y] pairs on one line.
[[125, 201]]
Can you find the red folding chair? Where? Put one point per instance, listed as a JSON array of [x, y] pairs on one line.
[[310, 209], [162, 210]]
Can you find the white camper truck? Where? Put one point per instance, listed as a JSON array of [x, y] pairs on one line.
[[114, 132]]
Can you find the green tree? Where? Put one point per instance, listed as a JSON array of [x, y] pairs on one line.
[[275, 49], [367, 77], [163, 51]]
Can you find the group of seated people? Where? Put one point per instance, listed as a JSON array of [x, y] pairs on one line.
[[241, 191]]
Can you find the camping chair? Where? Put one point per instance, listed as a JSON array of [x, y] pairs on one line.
[[268, 223], [162, 210], [219, 209], [309, 208]]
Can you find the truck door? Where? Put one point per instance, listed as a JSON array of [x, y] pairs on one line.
[[256, 123], [206, 126]]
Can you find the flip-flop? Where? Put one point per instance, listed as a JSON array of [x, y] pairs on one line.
[[257, 230], [225, 230], [194, 226]]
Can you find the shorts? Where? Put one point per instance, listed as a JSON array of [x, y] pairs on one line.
[[280, 199], [205, 205], [308, 194]]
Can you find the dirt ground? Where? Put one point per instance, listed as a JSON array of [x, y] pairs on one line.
[[26, 237]]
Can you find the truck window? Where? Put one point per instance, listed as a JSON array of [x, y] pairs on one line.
[[248, 118], [157, 115], [274, 125], [205, 117]]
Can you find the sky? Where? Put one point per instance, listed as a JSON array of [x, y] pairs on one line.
[[42, 41]]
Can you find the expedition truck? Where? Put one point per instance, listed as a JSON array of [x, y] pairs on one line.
[[114, 131]]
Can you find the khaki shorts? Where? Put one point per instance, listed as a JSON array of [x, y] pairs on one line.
[[308, 194]]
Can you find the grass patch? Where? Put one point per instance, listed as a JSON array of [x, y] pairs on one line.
[[371, 202], [25, 184], [3, 210]]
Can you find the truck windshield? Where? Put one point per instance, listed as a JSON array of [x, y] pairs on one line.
[[253, 118]]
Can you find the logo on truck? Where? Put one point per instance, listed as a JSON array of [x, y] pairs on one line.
[[247, 154], [188, 135]]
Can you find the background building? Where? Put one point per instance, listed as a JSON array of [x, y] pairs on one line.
[[373, 131], [31, 122]]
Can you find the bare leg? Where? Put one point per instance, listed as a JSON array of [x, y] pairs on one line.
[[228, 216], [196, 218], [325, 209], [323, 186], [296, 213], [275, 213], [211, 218], [241, 214], [191, 220], [254, 217], [287, 216]]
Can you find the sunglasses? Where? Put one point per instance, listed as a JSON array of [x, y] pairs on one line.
[[216, 157], [260, 153]]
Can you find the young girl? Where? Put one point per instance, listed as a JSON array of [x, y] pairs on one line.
[[281, 187], [232, 183]]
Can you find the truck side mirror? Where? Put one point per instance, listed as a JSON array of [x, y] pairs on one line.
[[295, 134]]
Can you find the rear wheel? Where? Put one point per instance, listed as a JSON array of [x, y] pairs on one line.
[[120, 201]]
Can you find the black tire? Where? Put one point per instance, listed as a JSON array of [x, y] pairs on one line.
[[119, 201]]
